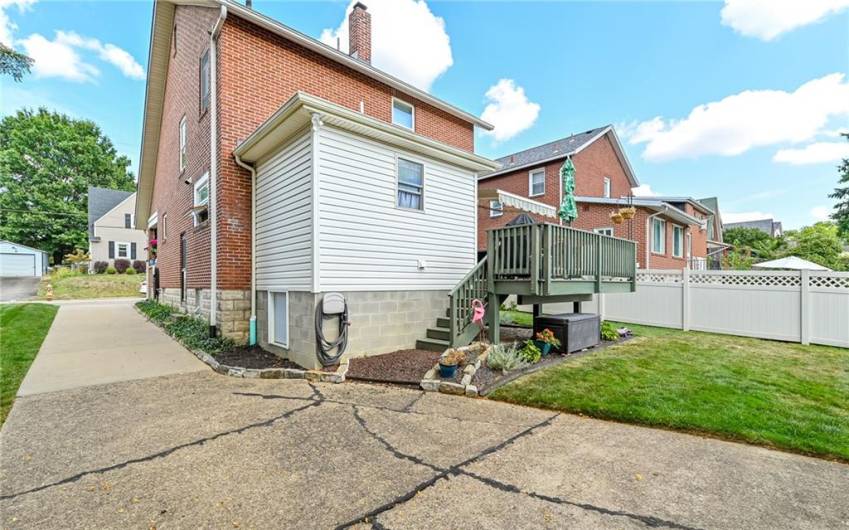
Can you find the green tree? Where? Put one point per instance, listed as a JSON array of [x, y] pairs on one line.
[[818, 243], [47, 163], [750, 245], [841, 193], [14, 63]]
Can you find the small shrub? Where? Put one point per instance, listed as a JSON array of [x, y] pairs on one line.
[[110, 270], [608, 331], [191, 332], [140, 266], [530, 352], [62, 272], [100, 266], [82, 268], [505, 358], [131, 271], [121, 265], [155, 311]]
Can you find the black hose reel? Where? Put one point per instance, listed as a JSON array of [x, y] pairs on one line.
[[332, 305]]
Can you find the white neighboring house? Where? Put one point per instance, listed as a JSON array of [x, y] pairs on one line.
[[110, 222], [20, 260]]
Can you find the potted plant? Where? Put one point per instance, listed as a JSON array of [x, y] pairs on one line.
[[628, 212], [449, 361], [530, 353], [545, 340]]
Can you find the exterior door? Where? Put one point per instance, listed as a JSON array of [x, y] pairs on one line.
[[184, 258]]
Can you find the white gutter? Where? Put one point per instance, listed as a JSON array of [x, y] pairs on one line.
[[213, 171], [252, 329]]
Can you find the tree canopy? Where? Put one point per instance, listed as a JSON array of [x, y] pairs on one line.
[[818, 243], [14, 63], [47, 162], [841, 193]]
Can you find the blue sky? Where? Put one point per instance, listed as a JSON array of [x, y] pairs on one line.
[[741, 99]]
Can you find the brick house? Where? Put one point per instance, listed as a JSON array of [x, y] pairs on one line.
[[529, 181], [275, 168]]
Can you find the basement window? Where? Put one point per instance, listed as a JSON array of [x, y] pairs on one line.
[[403, 114], [278, 318]]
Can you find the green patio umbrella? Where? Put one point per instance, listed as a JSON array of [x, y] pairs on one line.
[[568, 210]]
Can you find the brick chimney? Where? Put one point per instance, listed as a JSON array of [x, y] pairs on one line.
[[359, 32]]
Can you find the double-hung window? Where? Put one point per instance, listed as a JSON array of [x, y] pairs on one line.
[[658, 236], [536, 182], [128, 220], [278, 318], [677, 241], [410, 185], [604, 231], [403, 114], [204, 81], [496, 209], [184, 145], [122, 250], [607, 187]]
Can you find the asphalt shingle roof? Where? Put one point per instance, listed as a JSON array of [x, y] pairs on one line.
[[100, 201], [562, 147]]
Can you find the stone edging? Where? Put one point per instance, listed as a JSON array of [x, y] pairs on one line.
[[265, 373], [432, 383]]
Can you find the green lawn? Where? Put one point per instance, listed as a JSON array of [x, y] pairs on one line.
[[22, 330], [517, 318], [771, 393], [78, 286]]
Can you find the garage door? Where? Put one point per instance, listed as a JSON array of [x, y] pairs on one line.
[[17, 265]]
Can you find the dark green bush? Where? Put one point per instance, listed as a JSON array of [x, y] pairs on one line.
[[608, 331], [100, 266], [191, 332]]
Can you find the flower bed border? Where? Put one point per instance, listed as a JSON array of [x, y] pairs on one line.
[[261, 373], [432, 383]]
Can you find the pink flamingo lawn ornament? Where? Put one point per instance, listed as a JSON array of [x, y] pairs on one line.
[[478, 314]]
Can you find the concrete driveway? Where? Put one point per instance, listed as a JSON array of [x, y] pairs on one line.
[[103, 341], [18, 288], [200, 450]]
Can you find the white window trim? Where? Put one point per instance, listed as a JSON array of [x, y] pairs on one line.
[[412, 113], [607, 188], [531, 174], [271, 338], [398, 179], [674, 228], [164, 236], [118, 253], [601, 230], [662, 251], [184, 144], [496, 211], [199, 184]]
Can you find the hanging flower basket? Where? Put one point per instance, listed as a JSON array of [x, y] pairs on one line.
[[616, 217], [152, 243], [628, 212]]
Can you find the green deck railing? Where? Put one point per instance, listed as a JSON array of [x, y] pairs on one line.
[[546, 252], [472, 286]]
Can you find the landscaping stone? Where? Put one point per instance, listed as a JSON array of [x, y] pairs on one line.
[[451, 388]]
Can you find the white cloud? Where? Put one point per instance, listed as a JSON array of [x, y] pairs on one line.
[[60, 57], [508, 110], [767, 19], [738, 217], [752, 118], [820, 213], [407, 40], [7, 27], [815, 153], [643, 190]]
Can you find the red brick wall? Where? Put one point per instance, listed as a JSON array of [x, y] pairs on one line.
[[257, 72], [171, 196], [595, 162]]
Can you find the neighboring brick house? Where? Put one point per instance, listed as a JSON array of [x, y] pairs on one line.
[[232, 96], [111, 227], [529, 181]]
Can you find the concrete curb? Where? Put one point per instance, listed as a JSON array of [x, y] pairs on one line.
[[261, 373]]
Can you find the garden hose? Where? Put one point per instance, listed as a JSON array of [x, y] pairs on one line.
[[325, 347]]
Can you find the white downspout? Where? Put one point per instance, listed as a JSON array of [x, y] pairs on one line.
[[648, 235], [252, 332], [213, 171]]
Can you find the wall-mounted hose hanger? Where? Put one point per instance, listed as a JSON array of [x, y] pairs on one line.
[[332, 305]]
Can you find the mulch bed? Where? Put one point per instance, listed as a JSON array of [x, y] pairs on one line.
[[405, 367], [253, 357]]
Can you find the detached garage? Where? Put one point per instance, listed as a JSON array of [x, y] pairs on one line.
[[20, 260]]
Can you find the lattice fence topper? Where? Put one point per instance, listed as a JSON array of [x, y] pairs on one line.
[[830, 282], [751, 280], [659, 277]]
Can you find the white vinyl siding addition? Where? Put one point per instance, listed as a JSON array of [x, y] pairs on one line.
[[410, 184]]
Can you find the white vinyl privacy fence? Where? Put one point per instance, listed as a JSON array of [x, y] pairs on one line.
[[807, 307]]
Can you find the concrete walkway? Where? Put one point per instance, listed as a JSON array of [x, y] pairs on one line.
[[201, 450], [103, 341]]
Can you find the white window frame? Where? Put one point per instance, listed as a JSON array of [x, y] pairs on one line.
[[412, 113], [398, 182], [606, 191], [496, 209], [604, 231], [184, 144], [531, 174], [199, 183], [679, 229], [271, 316], [662, 251], [118, 250], [164, 236]]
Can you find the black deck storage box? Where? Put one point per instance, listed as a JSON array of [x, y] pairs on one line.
[[575, 331]]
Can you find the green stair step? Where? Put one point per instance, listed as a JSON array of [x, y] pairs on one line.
[[443, 322], [432, 344], [439, 333]]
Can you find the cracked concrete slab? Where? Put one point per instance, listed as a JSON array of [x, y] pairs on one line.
[[204, 450]]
